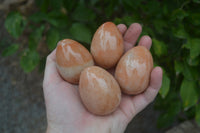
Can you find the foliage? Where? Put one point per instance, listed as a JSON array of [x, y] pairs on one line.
[[29, 60], [173, 25], [10, 50], [15, 24]]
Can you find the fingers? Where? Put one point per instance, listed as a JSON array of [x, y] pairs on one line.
[[142, 100], [132, 105], [155, 84], [52, 55], [131, 35], [156, 78], [145, 41], [51, 75], [122, 28]]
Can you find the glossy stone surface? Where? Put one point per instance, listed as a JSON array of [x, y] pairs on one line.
[[134, 69], [99, 91], [72, 58], [107, 45]]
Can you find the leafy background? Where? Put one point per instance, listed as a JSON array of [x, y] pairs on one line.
[[173, 25]]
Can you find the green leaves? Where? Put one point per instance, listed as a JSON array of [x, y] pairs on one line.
[[188, 93], [188, 72], [55, 18], [180, 32], [127, 20], [35, 37], [159, 47], [42, 4], [70, 4], [195, 18], [159, 25], [178, 67], [37, 17], [81, 33], [196, 1], [169, 114], [193, 62], [179, 14], [193, 45], [56, 4], [197, 116], [10, 50], [15, 24], [52, 38], [165, 86], [83, 13], [29, 60], [129, 4]]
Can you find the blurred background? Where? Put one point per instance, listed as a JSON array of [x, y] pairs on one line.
[[30, 30]]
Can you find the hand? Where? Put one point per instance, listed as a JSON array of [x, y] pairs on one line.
[[66, 113]]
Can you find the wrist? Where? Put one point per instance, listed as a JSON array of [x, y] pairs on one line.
[[111, 126], [52, 130], [55, 129], [88, 130]]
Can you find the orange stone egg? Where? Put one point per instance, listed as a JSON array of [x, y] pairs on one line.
[[99, 91], [107, 45], [71, 59], [134, 69]]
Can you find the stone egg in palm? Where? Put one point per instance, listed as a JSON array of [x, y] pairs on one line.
[[99, 91], [134, 69], [71, 59]]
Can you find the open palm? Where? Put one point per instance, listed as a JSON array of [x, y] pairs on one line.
[[66, 113]]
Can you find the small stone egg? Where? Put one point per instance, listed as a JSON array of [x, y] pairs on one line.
[[134, 69], [71, 59], [99, 91], [107, 45]]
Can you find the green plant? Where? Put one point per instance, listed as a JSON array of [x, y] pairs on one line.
[[173, 25]]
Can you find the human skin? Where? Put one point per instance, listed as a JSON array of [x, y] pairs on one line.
[[66, 113]]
